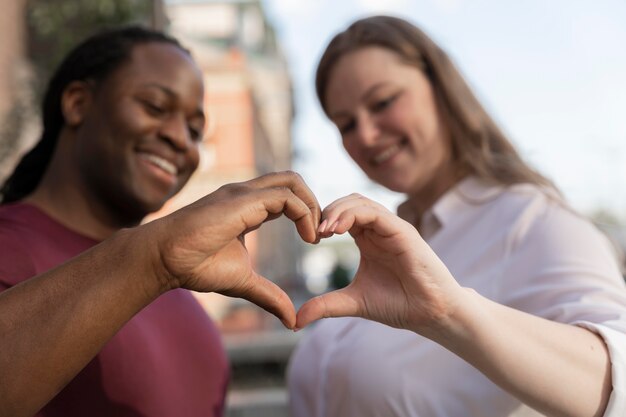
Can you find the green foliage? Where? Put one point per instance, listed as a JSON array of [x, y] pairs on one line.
[[340, 277], [606, 217], [55, 26]]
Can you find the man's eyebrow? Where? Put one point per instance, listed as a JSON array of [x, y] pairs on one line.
[[172, 94], [161, 87]]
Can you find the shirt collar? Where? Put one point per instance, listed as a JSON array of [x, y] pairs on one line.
[[469, 191]]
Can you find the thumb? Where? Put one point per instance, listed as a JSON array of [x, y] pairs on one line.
[[339, 303], [272, 298]]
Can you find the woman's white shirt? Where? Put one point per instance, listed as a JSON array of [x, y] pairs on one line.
[[519, 246]]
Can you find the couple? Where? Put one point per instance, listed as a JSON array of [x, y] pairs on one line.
[[511, 299]]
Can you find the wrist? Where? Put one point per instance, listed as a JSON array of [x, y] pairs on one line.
[[141, 247], [457, 327]]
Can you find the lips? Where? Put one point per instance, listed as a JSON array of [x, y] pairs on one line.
[[162, 167], [387, 153], [162, 163]]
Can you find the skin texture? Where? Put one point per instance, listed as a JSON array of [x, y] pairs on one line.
[[402, 283]]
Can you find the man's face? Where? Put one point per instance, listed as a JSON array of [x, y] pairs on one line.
[[138, 143]]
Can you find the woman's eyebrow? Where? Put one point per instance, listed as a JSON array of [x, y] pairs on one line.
[[365, 96]]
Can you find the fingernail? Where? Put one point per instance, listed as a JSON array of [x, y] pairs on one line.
[[296, 329], [334, 226], [322, 226]]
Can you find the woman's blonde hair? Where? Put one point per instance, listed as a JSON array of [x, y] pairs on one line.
[[479, 147]]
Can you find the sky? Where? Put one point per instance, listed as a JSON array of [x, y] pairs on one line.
[[551, 73]]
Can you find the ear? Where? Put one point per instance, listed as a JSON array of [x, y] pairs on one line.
[[76, 101]]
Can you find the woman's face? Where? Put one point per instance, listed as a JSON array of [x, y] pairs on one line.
[[387, 115], [138, 143]]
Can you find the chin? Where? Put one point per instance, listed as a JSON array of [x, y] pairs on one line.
[[141, 206], [149, 207], [395, 185], [154, 199]]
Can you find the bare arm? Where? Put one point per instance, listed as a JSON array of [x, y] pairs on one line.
[[560, 370], [51, 326]]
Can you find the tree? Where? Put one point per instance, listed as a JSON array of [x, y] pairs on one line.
[[55, 26], [52, 28]]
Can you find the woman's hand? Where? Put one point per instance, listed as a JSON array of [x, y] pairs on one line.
[[402, 283], [399, 282]]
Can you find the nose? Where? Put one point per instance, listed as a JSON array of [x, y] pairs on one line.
[[367, 129], [175, 131]]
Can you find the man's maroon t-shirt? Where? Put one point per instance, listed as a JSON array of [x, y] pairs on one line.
[[166, 361]]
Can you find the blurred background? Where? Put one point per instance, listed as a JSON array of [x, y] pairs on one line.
[[553, 74]]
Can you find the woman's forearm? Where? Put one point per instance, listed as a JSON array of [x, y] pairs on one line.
[[558, 369]]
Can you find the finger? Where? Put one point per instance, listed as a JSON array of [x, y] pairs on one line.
[[270, 297], [350, 200], [340, 303], [296, 184], [380, 221], [333, 211], [267, 203], [375, 218]]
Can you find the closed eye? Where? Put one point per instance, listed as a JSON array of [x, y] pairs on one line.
[[195, 134], [346, 127], [381, 105], [153, 108]]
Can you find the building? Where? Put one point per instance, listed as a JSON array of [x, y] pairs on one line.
[[17, 131], [250, 109]]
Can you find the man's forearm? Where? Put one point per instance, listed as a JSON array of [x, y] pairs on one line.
[[52, 325]]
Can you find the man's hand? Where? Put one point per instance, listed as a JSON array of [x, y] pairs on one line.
[[202, 247]]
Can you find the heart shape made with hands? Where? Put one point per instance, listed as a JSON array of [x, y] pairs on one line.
[[399, 282]]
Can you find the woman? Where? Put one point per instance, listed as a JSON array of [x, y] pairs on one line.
[[515, 303]]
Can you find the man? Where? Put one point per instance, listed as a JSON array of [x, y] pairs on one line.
[[112, 331]]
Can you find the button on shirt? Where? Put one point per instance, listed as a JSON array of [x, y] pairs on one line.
[[519, 246]]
